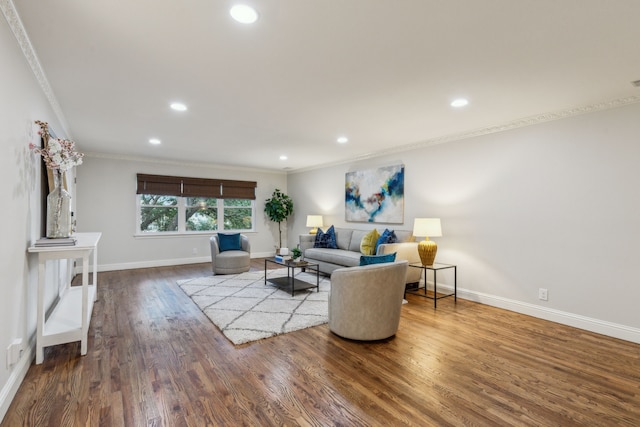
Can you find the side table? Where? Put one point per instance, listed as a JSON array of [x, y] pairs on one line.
[[435, 268]]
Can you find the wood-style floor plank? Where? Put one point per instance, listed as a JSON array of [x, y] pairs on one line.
[[155, 359]]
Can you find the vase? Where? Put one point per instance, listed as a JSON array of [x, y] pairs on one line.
[[58, 209]]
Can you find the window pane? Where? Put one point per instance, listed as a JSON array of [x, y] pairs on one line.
[[237, 218], [237, 202], [199, 219], [201, 202], [158, 219], [151, 199]]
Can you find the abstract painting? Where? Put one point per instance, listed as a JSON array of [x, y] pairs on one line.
[[375, 195]]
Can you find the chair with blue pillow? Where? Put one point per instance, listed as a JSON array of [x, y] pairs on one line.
[[230, 253]]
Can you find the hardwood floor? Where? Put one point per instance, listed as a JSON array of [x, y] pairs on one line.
[[155, 360]]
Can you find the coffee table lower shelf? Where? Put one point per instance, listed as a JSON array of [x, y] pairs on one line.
[[290, 283]]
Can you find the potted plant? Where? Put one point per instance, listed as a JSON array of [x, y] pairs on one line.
[[296, 253], [278, 208]]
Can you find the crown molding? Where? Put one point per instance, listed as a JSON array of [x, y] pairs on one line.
[[514, 124], [17, 28], [182, 164]]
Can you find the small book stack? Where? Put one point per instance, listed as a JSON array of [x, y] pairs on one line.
[[282, 258], [45, 242]]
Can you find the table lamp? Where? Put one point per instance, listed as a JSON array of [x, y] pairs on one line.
[[314, 221], [427, 227]]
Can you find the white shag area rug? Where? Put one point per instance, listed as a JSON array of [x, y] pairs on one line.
[[245, 309]]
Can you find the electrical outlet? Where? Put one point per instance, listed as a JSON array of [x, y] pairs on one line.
[[543, 294], [14, 352]]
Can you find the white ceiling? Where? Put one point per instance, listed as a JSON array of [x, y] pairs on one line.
[[381, 72]]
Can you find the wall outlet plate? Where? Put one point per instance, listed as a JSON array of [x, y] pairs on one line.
[[543, 294], [14, 352]]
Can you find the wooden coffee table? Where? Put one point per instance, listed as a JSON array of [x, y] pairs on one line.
[[290, 283]]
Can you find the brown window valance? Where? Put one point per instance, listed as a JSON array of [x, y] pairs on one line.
[[195, 187]]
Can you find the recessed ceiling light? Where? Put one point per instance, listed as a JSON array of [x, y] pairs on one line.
[[178, 106], [343, 139], [154, 141], [244, 14], [460, 102], [283, 157]]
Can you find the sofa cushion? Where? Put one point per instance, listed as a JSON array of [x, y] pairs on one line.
[[326, 240], [377, 259], [343, 237], [333, 256], [229, 242], [356, 239], [368, 243], [404, 236]]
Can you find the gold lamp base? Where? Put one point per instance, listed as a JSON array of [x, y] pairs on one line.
[[314, 231], [427, 250]]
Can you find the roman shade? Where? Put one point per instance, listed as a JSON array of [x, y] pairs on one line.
[[195, 187]]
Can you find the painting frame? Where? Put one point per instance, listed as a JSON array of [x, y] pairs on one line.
[[375, 195]]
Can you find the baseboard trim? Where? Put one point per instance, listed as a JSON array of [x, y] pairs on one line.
[[18, 374], [610, 329]]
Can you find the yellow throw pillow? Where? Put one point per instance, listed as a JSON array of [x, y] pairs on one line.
[[368, 243]]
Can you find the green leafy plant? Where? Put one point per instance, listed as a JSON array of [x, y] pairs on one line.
[[296, 253], [278, 208]]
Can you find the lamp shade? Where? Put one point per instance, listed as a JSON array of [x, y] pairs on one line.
[[428, 227], [314, 221]]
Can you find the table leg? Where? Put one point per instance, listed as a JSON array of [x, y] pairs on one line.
[[292, 279], [85, 304], [425, 281], [455, 284], [39, 338], [435, 289]]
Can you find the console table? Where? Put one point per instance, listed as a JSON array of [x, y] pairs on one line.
[[69, 320]]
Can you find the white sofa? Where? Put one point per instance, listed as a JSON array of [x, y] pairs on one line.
[[348, 253]]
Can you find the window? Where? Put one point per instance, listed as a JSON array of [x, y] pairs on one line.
[[202, 214], [184, 205], [158, 213]]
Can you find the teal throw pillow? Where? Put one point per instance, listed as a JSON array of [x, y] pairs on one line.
[[229, 242], [377, 259], [326, 239]]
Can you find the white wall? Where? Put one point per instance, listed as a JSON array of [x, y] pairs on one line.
[[106, 202], [547, 206], [22, 102]]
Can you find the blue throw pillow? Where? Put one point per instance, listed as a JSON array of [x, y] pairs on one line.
[[326, 239], [377, 259], [229, 242], [387, 236]]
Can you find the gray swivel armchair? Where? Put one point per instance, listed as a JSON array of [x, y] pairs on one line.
[[230, 261], [365, 302]]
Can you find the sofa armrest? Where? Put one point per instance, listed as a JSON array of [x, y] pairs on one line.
[[404, 251], [407, 251], [306, 241]]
